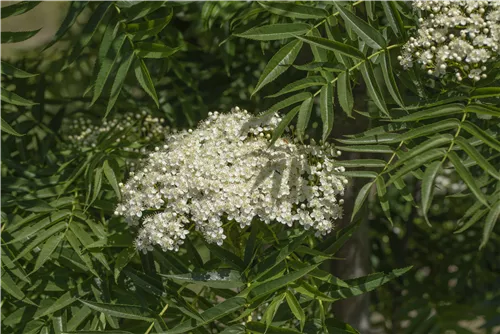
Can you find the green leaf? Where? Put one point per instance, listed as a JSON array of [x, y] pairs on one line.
[[285, 103], [435, 141], [96, 189], [311, 81], [388, 74], [12, 71], [393, 18], [344, 92], [154, 50], [382, 195], [227, 257], [41, 237], [360, 173], [473, 153], [9, 286], [78, 317], [88, 31], [141, 9], [272, 308], [359, 286], [18, 8], [39, 225], [483, 109], [284, 123], [266, 288], [296, 309], [110, 175], [278, 64], [361, 198], [17, 36], [490, 222], [426, 130], [258, 327], [366, 148], [427, 187], [220, 279], [275, 31], [474, 219], [304, 116], [294, 10], [8, 129], [416, 162], [133, 312], [121, 74], [140, 31], [123, 258], [326, 108], [467, 177], [480, 134], [440, 111], [357, 163], [220, 310], [367, 33], [373, 88], [333, 46], [321, 66], [13, 98], [485, 92], [47, 249], [75, 8], [106, 65], [144, 79], [64, 301]]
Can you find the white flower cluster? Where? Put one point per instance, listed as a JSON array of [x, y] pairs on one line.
[[460, 37], [225, 171], [132, 127]]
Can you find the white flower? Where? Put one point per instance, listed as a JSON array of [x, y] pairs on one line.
[[225, 171], [457, 37]]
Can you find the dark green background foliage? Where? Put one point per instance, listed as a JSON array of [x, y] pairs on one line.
[[69, 265]]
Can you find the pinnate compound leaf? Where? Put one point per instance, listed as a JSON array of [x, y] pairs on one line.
[[278, 64], [326, 108], [416, 162], [275, 31], [294, 10], [467, 177], [490, 222], [371, 36], [75, 8], [333, 46]]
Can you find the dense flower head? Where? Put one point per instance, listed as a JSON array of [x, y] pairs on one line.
[[225, 171], [457, 37]]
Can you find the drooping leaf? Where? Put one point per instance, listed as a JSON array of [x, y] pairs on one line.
[[361, 198], [141, 9], [17, 36], [472, 220], [123, 258], [393, 18], [9, 286], [371, 36], [481, 134], [294, 10], [280, 128], [311, 81], [275, 31], [144, 79], [8, 129], [272, 309], [490, 222], [278, 64], [434, 112], [333, 46], [143, 30], [390, 81], [75, 8], [110, 175], [260, 328], [473, 153], [428, 185], [286, 102], [296, 309], [326, 108], [121, 74], [382, 195], [373, 88], [416, 162], [344, 92], [18, 8], [304, 116]]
